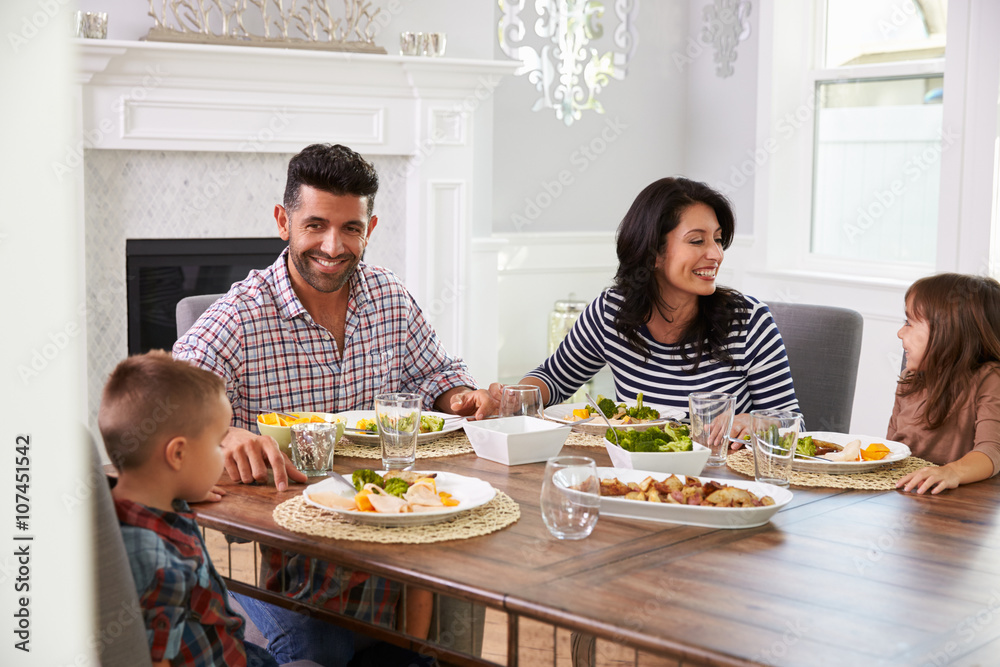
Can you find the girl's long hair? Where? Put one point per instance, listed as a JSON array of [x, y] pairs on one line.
[[642, 237], [963, 318]]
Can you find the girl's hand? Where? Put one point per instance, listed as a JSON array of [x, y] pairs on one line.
[[932, 477], [741, 427]]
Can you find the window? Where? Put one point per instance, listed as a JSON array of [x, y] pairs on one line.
[[877, 135]]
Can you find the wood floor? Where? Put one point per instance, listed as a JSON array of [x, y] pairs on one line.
[[541, 645]]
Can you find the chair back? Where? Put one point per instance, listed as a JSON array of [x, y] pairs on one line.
[[121, 628], [823, 345], [190, 308]]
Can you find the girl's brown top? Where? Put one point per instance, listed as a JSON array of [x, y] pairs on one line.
[[973, 425]]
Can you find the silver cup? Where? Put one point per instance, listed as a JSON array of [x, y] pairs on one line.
[[91, 25], [409, 45], [434, 44]]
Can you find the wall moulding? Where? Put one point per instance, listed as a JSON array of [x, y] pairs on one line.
[[171, 96]]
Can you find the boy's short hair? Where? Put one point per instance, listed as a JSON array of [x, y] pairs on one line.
[[152, 397]]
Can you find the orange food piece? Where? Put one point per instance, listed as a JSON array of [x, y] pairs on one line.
[[316, 419], [446, 499], [875, 452], [581, 413], [362, 501], [270, 419]]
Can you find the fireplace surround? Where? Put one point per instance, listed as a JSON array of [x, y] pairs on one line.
[[192, 141]]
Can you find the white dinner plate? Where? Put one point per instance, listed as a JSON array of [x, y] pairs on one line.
[[897, 452], [470, 493], [353, 416], [563, 411], [693, 515]]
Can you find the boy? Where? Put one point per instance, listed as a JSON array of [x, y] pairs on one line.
[[163, 422]]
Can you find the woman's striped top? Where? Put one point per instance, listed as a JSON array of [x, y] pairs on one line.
[[759, 375]]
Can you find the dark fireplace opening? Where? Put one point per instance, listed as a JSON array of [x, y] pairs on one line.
[[161, 272]]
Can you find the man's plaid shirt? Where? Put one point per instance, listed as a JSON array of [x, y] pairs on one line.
[[274, 356], [183, 599]]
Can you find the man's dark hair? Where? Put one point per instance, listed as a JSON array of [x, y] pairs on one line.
[[331, 168]]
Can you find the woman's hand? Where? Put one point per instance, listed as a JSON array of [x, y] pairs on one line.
[[741, 427], [930, 478]]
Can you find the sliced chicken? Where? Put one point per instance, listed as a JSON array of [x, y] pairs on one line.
[[333, 500], [386, 503], [850, 452], [423, 494]]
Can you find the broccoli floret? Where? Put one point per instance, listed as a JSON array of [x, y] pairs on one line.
[[806, 446], [366, 476], [641, 411], [396, 486], [429, 423], [676, 430], [682, 444], [607, 406]]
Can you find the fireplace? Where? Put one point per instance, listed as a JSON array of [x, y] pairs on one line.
[[161, 272]]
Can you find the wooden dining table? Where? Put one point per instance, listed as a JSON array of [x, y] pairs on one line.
[[837, 577]]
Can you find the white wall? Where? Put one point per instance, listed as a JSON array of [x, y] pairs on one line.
[[606, 158]]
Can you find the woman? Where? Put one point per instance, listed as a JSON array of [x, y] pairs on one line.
[[947, 406], [664, 327]]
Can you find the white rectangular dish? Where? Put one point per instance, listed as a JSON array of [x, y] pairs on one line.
[[516, 440], [692, 515]]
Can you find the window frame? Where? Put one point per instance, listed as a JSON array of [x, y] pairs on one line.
[[795, 43]]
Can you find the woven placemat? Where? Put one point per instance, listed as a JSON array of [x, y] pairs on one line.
[[883, 479], [448, 445], [585, 440], [297, 515]]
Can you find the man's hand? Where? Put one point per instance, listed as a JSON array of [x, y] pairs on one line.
[[245, 459], [474, 403]]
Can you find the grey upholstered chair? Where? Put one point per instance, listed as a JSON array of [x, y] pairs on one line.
[[824, 346], [190, 308], [122, 635]]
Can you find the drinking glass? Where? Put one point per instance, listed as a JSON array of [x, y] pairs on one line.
[[521, 399], [775, 434], [711, 421], [312, 447], [571, 497], [398, 419]]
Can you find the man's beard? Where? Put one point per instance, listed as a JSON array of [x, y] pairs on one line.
[[324, 282]]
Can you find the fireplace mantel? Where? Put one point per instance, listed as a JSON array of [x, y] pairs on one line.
[[166, 96], [431, 115]]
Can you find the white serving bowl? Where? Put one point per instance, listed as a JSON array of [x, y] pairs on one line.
[[679, 463], [283, 434], [516, 440]]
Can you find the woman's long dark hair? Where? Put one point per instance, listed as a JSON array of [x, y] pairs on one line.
[[642, 237], [963, 321]]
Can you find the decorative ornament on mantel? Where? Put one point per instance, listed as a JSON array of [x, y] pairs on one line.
[[726, 25], [567, 69], [289, 24]]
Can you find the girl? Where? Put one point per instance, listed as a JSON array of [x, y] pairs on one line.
[[947, 406]]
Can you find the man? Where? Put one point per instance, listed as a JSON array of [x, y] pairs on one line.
[[320, 330]]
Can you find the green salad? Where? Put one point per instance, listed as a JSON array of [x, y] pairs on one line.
[[672, 437]]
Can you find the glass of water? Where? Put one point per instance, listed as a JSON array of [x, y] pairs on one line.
[[398, 419], [571, 497]]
